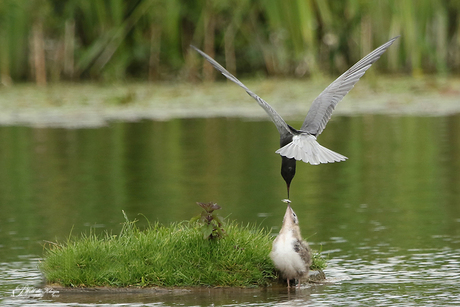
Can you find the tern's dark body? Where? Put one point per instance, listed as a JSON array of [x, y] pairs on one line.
[[301, 144]]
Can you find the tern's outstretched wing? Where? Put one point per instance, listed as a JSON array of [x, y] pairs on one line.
[[321, 109], [275, 117]]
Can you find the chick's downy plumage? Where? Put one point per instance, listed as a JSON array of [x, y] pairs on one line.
[[290, 253]]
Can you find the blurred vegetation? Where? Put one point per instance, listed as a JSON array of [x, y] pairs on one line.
[[51, 40]]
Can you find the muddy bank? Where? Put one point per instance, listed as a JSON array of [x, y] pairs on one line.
[[92, 105], [315, 277]]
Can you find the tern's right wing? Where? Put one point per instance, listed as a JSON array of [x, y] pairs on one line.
[[281, 125], [321, 109]]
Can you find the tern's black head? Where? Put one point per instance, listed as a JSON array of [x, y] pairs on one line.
[[287, 170], [287, 164]]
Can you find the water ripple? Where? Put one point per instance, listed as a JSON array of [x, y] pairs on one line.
[[377, 278]]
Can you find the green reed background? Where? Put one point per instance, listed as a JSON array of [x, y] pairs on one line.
[[51, 40]]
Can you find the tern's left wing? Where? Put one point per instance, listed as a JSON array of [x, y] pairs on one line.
[[275, 117]]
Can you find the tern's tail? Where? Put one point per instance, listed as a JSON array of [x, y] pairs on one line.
[[305, 147]]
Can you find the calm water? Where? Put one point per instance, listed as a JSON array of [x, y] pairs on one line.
[[388, 219]]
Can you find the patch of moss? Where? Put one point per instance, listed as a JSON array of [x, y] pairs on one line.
[[164, 256]]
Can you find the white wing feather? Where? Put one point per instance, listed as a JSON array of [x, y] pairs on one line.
[[304, 147]]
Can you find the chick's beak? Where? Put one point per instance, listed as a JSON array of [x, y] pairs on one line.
[[288, 220]]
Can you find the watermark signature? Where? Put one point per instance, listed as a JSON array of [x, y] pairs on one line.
[[34, 292]]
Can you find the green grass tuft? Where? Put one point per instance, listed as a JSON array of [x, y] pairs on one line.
[[165, 256]]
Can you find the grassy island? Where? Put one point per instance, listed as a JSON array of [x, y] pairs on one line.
[[164, 256]]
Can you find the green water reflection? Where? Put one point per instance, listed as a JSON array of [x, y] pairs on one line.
[[400, 187]]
